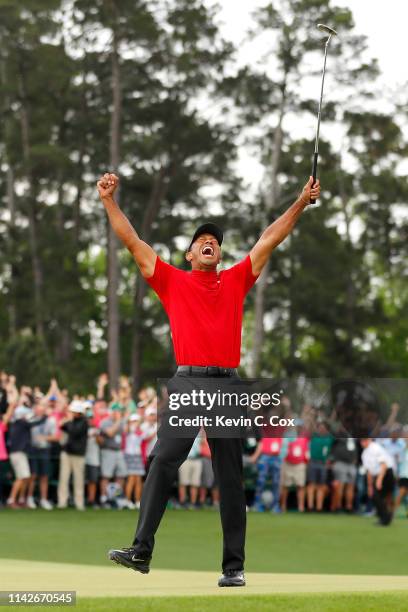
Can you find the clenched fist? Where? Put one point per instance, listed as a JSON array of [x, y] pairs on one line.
[[311, 191], [107, 185]]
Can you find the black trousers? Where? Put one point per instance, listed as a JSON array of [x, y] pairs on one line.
[[380, 498], [167, 456]]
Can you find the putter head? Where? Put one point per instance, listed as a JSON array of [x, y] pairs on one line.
[[325, 28]]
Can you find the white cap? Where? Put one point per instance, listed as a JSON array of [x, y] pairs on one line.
[[150, 411], [150, 392], [135, 417], [77, 407], [21, 412]]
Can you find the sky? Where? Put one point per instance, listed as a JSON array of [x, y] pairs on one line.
[[384, 24]]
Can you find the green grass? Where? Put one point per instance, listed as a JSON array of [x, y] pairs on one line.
[[291, 543], [378, 602]]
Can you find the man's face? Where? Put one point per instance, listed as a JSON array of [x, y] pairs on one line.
[[205, 253], [322, 429], [99, 406], [124, 394], [39, 410]]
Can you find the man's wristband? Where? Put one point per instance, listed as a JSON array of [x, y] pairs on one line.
[[303, 201]]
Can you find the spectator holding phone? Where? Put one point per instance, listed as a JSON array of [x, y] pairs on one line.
[[21, 422]]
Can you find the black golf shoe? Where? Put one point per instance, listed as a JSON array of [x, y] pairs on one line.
[[232, 578], [128, 557]]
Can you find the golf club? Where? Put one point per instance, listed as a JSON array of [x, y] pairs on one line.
[[330, 32]]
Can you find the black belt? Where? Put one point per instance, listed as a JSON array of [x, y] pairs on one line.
[[186, 370]]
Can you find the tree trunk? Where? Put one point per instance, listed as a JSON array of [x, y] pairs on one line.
[[31, 210], [113, 264], [259, 331], [12, 306], [291, 368], [59, 217], [11, 205], [271, 201], [158, 193], [64, 347], [78, 198], [81, 154], [350, 289]]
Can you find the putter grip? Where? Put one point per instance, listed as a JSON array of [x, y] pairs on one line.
[[314, 172]]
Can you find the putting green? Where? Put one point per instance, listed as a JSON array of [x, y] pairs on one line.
[[113, 581]]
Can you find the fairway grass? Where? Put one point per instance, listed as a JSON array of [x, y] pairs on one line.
[[295, 562], [115, 581], [191, 540], [378, 602]]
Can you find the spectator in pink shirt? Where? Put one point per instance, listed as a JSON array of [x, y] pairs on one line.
[[100, 412], [57, 404], [3, 449], [294, 471], [3, 454]]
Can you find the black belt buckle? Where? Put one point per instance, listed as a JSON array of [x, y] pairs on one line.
[[184, 371], [215, 371], [212, 371]]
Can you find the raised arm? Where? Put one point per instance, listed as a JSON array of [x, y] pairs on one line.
[[143, 254], [10, 411], [101, 386], [279, 229]]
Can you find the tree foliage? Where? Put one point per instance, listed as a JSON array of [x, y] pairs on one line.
[[335, 301]]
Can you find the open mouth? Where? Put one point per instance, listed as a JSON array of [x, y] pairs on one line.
[[207, 251]]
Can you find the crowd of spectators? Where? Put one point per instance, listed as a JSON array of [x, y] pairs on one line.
[[99, 445], [328, 470], [91, 451]]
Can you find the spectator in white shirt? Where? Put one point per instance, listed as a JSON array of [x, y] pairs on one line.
[[149, 429], [380, 478], [134, 461], [394, 445], [190, 476]]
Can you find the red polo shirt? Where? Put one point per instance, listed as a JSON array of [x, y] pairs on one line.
[[205, 311], [298, 451]]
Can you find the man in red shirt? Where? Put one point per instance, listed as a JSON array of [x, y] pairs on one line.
[[205, 308]]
